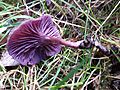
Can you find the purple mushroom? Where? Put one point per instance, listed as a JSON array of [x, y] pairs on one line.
[[48, 2], [29, 43], [36, 39]]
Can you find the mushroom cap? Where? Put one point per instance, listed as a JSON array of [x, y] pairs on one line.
[[28, 43], [48, 2]]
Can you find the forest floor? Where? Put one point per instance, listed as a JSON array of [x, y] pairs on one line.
[[71, 69]]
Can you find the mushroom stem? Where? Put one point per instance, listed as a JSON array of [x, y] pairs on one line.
[[70, 44], [83, 44], [64, 42]]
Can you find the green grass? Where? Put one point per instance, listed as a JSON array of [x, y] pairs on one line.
[[71, 69]]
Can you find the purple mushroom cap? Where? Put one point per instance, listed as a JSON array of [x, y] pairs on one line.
[[48, 2], [29, 43]]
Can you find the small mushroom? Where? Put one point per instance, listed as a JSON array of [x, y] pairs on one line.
[[29, 43], [48, 2], [36, 39]]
